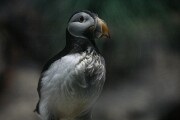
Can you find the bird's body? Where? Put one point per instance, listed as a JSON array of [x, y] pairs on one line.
[[71, 81], [70, 85]]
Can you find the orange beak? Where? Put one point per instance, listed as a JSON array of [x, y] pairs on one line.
[[104, 30]]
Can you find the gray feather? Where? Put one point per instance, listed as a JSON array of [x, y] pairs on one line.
[[71, 85]]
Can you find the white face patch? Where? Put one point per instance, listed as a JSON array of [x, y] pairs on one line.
[[77, 28]]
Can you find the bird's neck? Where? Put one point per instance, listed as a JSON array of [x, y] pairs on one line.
[[77, 44]]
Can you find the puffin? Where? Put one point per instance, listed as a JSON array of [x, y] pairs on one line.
[[73, 79]]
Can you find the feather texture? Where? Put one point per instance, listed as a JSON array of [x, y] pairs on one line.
[[71, 84], [72, 80]]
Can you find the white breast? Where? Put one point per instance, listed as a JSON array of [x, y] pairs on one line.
[[60, 70], [58, 84]]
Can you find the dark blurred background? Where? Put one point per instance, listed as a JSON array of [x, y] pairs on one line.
[[142, 56]]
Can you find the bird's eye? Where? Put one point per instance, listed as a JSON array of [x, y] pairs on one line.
[[81, 19]]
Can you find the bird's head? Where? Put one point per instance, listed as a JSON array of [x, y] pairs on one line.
[[85, 24]]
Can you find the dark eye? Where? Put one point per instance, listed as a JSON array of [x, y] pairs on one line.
[[81, 19]]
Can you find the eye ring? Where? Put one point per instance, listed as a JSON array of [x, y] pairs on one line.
[[81, 19]]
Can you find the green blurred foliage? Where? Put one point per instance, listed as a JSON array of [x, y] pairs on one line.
[[142, 56], [136, 27]]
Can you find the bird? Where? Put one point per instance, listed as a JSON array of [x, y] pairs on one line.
[[73, 79]]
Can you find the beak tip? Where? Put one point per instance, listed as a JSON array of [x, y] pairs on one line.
[[104, 30], [109, 37]]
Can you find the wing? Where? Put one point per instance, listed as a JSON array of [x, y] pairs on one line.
[[45, 68], [40, 86]]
